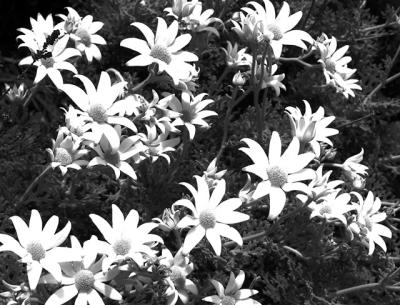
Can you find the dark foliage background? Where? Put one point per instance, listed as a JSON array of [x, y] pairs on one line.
[[280, 276]]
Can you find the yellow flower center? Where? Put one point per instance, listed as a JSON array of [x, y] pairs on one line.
[[36, 250], [228, 300], [275, 30], [84, 36], [98, 113], [207, 219], [277, 175], [325, 209], [122, 247], [177, 277], [47, 62], [84, 280], [186, 116], [161, 53], [63, 156]]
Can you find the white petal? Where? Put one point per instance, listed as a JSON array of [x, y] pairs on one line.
[[193, 237], [277, 199], [77, 95], [108, 291], [104, 227], [231, 217], [275, 146], [55, 77], [214, 239], [40, 74], [34, 271], [229, 232], [94, 298], [52, 267], [62, 295]]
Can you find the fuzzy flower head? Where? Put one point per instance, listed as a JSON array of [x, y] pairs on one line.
[[84, 279], [66, 153], [125, 239], [333, 206], [164, 49], [181, 8], [179, 284], [269, 79], [191, 109], [236, 58], [210, 217], [278, 30], [311, 128], [232, 294], [199, 21], [37, 246], [279, 173], [367, 223], [99, 107]]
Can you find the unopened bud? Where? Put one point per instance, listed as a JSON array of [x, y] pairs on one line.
[[239, 79]]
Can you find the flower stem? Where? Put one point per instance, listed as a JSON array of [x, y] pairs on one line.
[[143, 83], [299, 61], [32, 91], [34, 182], [219, 81]]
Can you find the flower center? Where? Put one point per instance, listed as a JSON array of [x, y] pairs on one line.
[[277, 175], [47, 62], [122, 247], [275, 30], [207, 219], [178, 277], [36, 250], [330, 65], [227, 300], [84, 36], [98, 113], [112, 158], [63, 156], [325, 209], [186, 116], [161, 53], [84, 280]]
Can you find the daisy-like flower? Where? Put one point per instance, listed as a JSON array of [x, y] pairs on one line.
[[273, 81], [368, 219], [277, 30], [156, 146], [199, 21], [179, 284], [52, 61], [99, 107], [84, 279], [236, 58], [169, 220], [212, 175], [70, 22], [15, 93], [232, 294], [38, 247], [354, 170], [117, 159], [36, 37], [210, 217], [125, 239], [163, 48], [344, 84], [191, 110], [280, 173], [248, 29], [66, 153], [332, 206], [76, 124], [239, 79], [332, 60], [311, 128], [181, 8]]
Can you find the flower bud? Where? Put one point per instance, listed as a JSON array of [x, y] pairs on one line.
[[239, 79]]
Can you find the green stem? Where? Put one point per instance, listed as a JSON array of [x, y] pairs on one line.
[[143, 83], [359, 288], [299, 61], [29, 97], [259, 115], [34, 182]]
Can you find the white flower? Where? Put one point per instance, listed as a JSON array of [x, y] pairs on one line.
[[199, 21], [84, 279], [274, 81], [277, 30], [181, 8], [179, 285], [247, 29], [354, 170], [76, 124], [66, 153], [191, 110], [50, 62], [169, 220], [344, 84], [332, 206], [232, 294], [235, 57], [38, 246], [163, 48], [211, 175], [117, 159], [36, 38], [209, 217], [71, 22], [15, 93], [125, 239], [247, 191], [311, 127], [99, 107], [280, 174], [368, 219]]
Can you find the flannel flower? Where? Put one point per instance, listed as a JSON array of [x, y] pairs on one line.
[[75, 124], [99, 107], [66, 153], [117, 159], [164, 48], [210, 217], [236, 58], [212, 175], [83, 33], [232, 294], [169, 220], [280, 173], [179, 284], [247, 28], [367, 222], [124, 239], [181, 8], [354, 170], [38, 247], [332, 206], [311, 128], [51, 61], [344, 84], [83, 279], [277, 30], [270, 80], [191, 110], [199, 21]]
